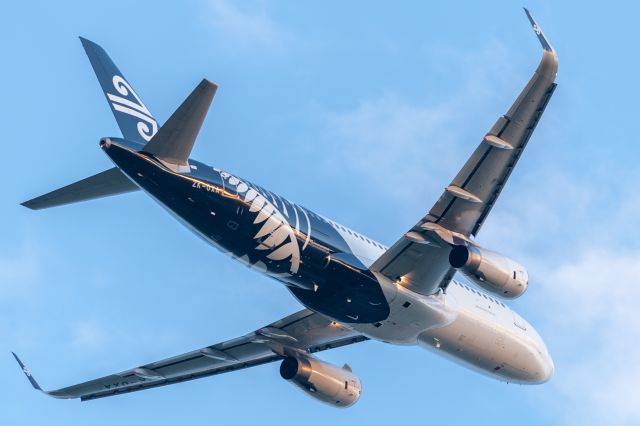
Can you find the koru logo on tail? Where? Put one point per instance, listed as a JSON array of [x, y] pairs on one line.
[[537, 29], [135, 108]]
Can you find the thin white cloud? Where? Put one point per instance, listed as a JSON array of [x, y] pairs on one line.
[[402, 146], [591, 303], [246, 24], [88, 335], [381, 134], [584, 265], [541, 202]]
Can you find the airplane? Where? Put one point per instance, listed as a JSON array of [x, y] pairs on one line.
[[353, 288]]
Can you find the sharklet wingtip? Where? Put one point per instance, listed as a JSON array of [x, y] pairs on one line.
[[85, 41], [26, 372], [546, 46]]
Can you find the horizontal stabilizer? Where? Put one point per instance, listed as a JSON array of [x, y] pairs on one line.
[[109, 182], [174, 141]]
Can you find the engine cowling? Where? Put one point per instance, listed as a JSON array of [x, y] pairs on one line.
[[323, 381], [490, 270]]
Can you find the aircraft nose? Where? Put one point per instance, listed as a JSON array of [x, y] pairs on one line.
[[544, 366], [541, 366], [547, 368], [535, 369]]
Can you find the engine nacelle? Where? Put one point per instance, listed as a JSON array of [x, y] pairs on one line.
[[490, 270], [325, 382]]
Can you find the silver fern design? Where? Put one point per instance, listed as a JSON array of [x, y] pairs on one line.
[[135, 109], [276, 239]]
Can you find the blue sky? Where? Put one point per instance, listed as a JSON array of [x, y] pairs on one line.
[[361, 111]]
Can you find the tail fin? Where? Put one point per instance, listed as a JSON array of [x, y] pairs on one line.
[[171, 144], [109, 182], [134, 119], [174, 141]]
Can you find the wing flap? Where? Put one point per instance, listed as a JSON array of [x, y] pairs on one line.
[[181, 378], [486, 172]]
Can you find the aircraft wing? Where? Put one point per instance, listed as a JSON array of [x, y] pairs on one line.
[[419, 260], [302, 332]]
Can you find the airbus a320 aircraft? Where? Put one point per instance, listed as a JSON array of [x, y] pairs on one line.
[[353, 288]]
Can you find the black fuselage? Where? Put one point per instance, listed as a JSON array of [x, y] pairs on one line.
[[262, 230]]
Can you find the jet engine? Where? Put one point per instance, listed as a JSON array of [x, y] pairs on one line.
[[490, 270], [323, 381]]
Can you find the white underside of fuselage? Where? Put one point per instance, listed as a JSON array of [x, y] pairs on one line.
[[464, 324], [468, 327]]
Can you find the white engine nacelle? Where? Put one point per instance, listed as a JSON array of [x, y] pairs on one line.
[[490, 270], [325, 382]]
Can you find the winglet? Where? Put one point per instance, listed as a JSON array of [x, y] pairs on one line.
[[536, 28], [27, 373], [60, 394]]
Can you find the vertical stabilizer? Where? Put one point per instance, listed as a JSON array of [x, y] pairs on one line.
[[134, 119]]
